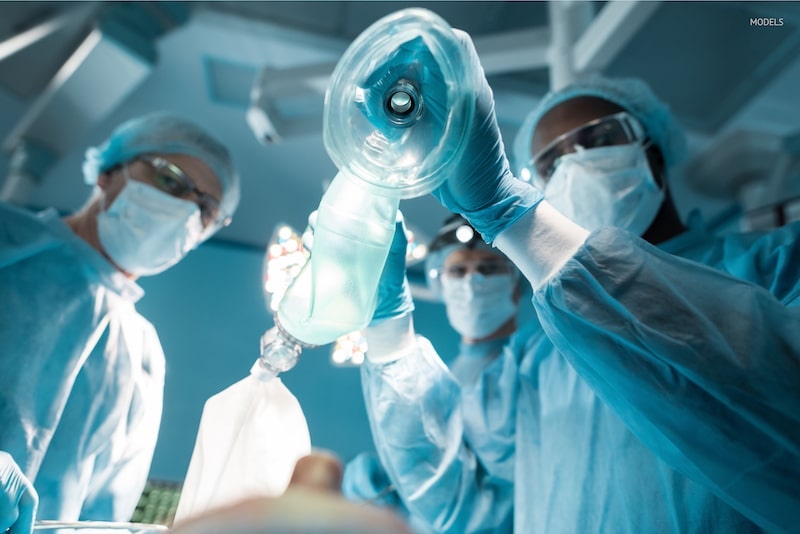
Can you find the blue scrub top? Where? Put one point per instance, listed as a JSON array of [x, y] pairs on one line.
[[83, 372]]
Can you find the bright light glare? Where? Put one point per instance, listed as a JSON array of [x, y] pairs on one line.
[[349, 349], [339, 356], [284, 233], [285, 259], [464, 234], [419, 252]]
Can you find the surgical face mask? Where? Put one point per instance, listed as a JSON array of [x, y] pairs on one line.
[[606, 186], [145, 231], [478, 305]]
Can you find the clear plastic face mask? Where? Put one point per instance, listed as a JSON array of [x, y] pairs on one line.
[[399, 105]]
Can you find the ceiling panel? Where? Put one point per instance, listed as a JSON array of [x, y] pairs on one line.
[[706, 60], [28, 71], [701, 57]]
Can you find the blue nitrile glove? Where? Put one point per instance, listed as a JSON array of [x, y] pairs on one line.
[[394, 295], [365, 479], [481, 186], [308, 233], [18, 499]]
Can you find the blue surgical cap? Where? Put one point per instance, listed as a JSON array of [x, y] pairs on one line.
[[631, 94], [166, 134]]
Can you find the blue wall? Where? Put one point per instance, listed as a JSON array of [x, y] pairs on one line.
[[210, 313]]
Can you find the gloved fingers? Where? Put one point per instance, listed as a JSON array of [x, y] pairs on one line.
[[480, 186], [473, 182], [365, 479], [28, 503], [481, 87], [400, 239], [19, 500], [312, 219], [394, 270], [394, 295], [308, 233], [465, 40]]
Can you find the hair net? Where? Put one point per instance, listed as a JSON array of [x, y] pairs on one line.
[[631, 94], [166, 134], [454, 234]]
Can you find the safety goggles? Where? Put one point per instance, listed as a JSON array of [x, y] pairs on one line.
[[485, 267], [169, 178], [617, 129]]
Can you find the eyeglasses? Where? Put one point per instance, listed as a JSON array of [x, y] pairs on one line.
[[169, 178], [483, 267], [617, 129]]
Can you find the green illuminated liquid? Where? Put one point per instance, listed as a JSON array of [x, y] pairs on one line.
[[335, 292]]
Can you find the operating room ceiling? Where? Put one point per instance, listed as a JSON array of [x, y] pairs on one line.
[[718, 72]]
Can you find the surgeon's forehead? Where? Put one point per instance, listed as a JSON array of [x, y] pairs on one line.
[[567, 116], [468, 255]]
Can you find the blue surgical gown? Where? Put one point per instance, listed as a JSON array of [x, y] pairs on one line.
[[82, 371], [655, 392], [365, 478], [472, 358]]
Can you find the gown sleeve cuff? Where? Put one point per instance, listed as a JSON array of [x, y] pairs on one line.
[[391, 339], [541, 242]]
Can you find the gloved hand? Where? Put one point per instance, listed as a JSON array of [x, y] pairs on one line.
[[308, 233], [481, 186], [18, 499], [365, 479], [394, 295]]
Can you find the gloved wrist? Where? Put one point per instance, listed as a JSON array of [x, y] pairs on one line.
[[394, 296], [18, 498], [480, 185], [393, 302], [390, 340], [513, 199], [365, 479]]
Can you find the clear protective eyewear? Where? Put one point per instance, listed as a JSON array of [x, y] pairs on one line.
[[618, 129], [485, 267], [171, 179]]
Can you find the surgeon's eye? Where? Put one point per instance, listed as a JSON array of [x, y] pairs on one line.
[[602, 140], [546, 165], [605, 136], [456, 271], [492, 268], [209, 209], [170, 184]]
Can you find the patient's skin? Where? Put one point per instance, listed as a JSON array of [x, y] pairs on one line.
[[312, 503], [320, 469]]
